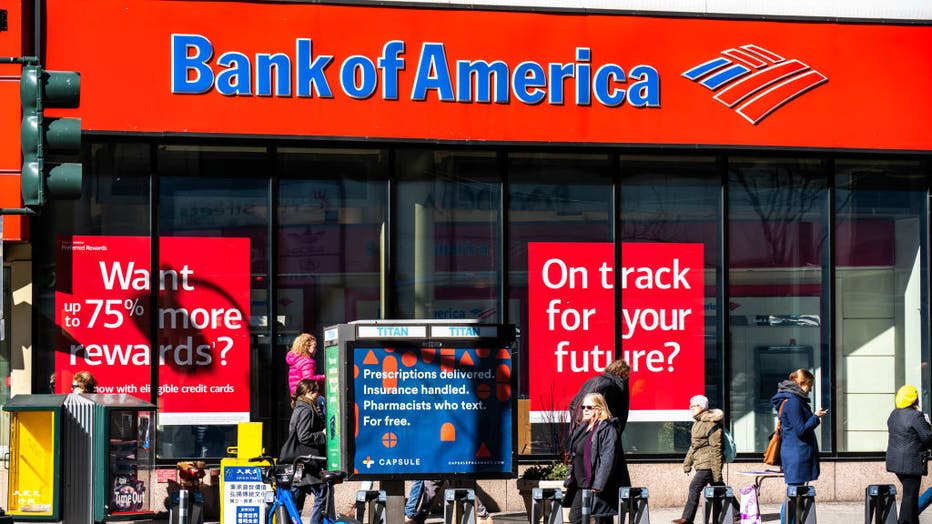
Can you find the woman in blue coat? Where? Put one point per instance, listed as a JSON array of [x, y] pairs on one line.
[[799, 451], [909, 436]]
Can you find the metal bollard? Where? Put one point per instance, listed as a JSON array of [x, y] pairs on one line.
[[546, 504], [880, 504], [374, 501], [800, 505], [632, 502], [586, 505], [459, 506], [719, 505]]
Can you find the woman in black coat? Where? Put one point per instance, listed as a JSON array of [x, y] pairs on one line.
[[909, 436], [307, 426], [595, 446]]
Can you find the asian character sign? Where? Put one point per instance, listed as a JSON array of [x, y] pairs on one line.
[[572, 318]]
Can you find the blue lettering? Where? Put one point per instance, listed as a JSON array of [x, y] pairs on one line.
[[282, 66], [526, 81], [391, 63], [582, 77], [432, 73], [310, 74], [358, 77], [483, 73], [645, 92], [235, 80], [602, 85], [464, 331], [558, 75], [183, 63]]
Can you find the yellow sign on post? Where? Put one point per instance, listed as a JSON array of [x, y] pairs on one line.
[[241, 487]]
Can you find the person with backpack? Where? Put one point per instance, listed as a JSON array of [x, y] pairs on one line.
[[705, 454], [613, 386]]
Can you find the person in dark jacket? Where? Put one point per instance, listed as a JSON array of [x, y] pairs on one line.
[[308, 423], [594, 446], [799, 450], [909, 436], [613, 386], [705, 454]]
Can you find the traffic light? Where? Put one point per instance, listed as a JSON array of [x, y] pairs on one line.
[[45, 140]]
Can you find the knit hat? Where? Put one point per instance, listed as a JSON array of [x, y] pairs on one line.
[[701, 401], [906, 396]]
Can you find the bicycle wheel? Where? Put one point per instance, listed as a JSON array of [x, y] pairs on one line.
[[346, 520]]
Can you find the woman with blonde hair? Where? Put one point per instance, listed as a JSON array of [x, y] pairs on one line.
[[594, 448], [300, 360]]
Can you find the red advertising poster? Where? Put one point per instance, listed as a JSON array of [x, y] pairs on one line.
[[571, 316], [103, 310]]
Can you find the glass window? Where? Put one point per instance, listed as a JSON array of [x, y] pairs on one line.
[[331, 231], [881, 297], [71, 238], [778, 297], [447, 225], [665, 200], [213, 332], [551, 198]]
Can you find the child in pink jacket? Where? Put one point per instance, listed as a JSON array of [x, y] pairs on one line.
[[301, 362]]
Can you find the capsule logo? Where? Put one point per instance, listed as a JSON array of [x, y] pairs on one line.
[[754, 81]]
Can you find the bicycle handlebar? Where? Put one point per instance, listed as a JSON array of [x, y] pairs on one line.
[[303, 459]]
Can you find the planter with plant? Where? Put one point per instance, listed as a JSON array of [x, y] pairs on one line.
[[549, 475]]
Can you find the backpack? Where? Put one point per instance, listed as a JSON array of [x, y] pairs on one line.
[[729, 449]]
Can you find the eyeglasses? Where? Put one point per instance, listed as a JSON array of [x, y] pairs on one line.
[[75, 386], [587, 408]]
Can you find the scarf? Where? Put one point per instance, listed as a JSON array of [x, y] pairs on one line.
[[792, 388]]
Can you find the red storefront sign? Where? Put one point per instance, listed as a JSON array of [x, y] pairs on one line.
[[571, 317], [103, 312], [285, 69]]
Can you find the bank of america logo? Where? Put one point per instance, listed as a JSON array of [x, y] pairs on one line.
[[754, 81]]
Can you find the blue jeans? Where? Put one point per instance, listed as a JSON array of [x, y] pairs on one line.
[[925, 499], [413, 496], [321, 494]]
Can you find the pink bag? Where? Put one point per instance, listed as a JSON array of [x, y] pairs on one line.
[[750, 512]]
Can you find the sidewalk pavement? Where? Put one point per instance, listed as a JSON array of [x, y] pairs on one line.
[[826, 513]]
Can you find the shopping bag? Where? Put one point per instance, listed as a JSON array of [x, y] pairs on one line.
[[750, 512]]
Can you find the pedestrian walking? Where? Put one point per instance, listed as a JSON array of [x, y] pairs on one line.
[[594, 446], [613, 386], [799, 450], [908, 441], [705, 454]]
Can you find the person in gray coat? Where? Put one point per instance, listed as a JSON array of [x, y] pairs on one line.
[[909, 437]]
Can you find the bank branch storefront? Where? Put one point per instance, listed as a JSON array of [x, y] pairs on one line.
[[718, 201]]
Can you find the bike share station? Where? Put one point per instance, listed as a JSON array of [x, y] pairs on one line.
[[420, 400]]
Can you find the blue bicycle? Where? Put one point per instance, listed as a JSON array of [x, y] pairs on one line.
[[280, 503]]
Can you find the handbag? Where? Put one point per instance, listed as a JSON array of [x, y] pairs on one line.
[[772, 453]]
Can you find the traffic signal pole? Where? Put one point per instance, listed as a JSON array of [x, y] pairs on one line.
[[41, 136]]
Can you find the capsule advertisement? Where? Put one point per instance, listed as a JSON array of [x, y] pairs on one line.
[[444, 406]]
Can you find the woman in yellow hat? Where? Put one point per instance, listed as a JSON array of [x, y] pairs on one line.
[[908, 439]]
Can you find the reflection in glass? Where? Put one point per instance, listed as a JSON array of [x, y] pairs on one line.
[[882, 310], [552, 198], [777, 239], [675, 201]]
